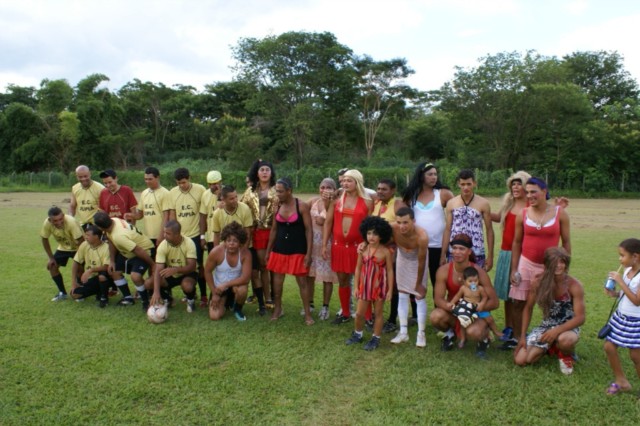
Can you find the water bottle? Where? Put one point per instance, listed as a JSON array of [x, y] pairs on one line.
[[518, 279]]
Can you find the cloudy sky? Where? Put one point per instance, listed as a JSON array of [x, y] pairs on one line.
[[189, 41]]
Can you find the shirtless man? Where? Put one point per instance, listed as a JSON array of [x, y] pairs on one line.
[[465, 214], [411, 272]]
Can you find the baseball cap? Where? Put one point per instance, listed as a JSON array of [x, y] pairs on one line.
[[108, 173], [214, 176]]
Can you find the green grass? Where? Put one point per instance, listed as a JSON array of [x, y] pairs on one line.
[[72, 363]]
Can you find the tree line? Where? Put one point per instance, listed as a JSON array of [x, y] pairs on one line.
[[304, 100]]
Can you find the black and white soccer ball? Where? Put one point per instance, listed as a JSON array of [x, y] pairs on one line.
[[157, 314]]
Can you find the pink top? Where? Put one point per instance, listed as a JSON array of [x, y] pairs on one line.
[[535, 241]]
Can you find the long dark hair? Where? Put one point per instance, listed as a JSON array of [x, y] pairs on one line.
[[253, 173], [413, 189]]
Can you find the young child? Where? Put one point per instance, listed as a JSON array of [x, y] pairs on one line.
[[373, 278], [625, 322], [472, 293]]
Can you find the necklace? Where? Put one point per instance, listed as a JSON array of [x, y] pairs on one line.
[[541, 221], [466, 205]]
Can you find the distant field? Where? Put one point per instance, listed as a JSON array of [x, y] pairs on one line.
[[72, 363]]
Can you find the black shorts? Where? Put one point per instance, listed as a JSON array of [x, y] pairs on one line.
[[62, 257], [209, 247], [255, 262], [176, 281], [154, 249], [199, 251], [91, 287], [129, 266]]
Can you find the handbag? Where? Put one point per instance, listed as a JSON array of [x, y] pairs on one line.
[[604, 331]]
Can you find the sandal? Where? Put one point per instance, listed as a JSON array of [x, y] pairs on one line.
[[309, 322], [275, 317], [615, 389]]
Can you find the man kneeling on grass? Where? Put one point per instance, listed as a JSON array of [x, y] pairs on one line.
[[89, 272], [176, 262], [228, 271]]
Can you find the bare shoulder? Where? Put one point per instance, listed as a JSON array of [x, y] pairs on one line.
[[445, 195]]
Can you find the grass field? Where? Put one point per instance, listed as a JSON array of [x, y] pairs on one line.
[[72, 363]]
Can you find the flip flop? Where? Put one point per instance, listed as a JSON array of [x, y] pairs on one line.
[[310, 322], [276, 318], [615, 389]]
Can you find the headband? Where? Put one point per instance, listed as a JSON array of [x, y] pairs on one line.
[[460, 242]]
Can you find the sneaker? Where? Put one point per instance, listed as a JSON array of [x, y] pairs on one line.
[[103, 303], [250, 300], [191, 305], [372, 344], [509, 345], [311, 309], [448, 343], [507, 334], [324, 313], [80, 300], [60, 297], [262, 311], [239, 316], [481, 348], [421, 340], [340, 320], [355, 338], [566, 364], [400, 338], [389, 327], [127, 301], [204, 302], [369, 325]]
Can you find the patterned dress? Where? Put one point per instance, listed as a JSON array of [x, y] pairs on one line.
[[373, 278], [467, 220], [561, 311], [320, 269]]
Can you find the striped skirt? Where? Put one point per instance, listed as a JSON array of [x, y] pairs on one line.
[[625, 331]]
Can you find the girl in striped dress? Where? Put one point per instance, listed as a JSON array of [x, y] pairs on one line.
[[373, 278], [625, 322]]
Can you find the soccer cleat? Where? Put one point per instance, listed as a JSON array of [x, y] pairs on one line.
[[372, 344], [204, 302], [80, 300], [262, 310], [239, 316], [448, 343], [566, 364], [324, 313], [389, 327], [60, 297], [481, 348], [103, 303], [400, 338], [191, 305], [507, 334], [355, 338], [421, 340], [509, 344], [126, 301], [340, 320]]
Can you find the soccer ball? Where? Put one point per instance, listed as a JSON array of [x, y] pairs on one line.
[[157, 314]]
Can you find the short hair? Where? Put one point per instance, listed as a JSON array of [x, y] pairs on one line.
[[378, 225], [90, 227], [286, 182], [469, 272], [389, 182], [226, 190], [341, 172], [466, 241], [540, 183], [405, 211], [152, 171], [631, 245], [466, 174], [236, 230], [54, 211], [102, 220], [174, 225], [181, 173]]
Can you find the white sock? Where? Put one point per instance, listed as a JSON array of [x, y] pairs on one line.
[[422, 314], [403, 311]]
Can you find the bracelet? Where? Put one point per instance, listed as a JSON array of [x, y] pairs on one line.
[[202, 236]]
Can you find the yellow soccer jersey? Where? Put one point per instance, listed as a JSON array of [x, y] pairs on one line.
[[92, 257], [176, 256], [208, 206], [242, 215], [187, 207], [385, 210], [152, 205], [87, 200], [65, 236], [125, 237]]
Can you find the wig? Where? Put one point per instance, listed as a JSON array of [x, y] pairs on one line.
[[379, 226]]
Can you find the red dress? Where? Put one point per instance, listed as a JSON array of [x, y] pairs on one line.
[[344, 252]]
